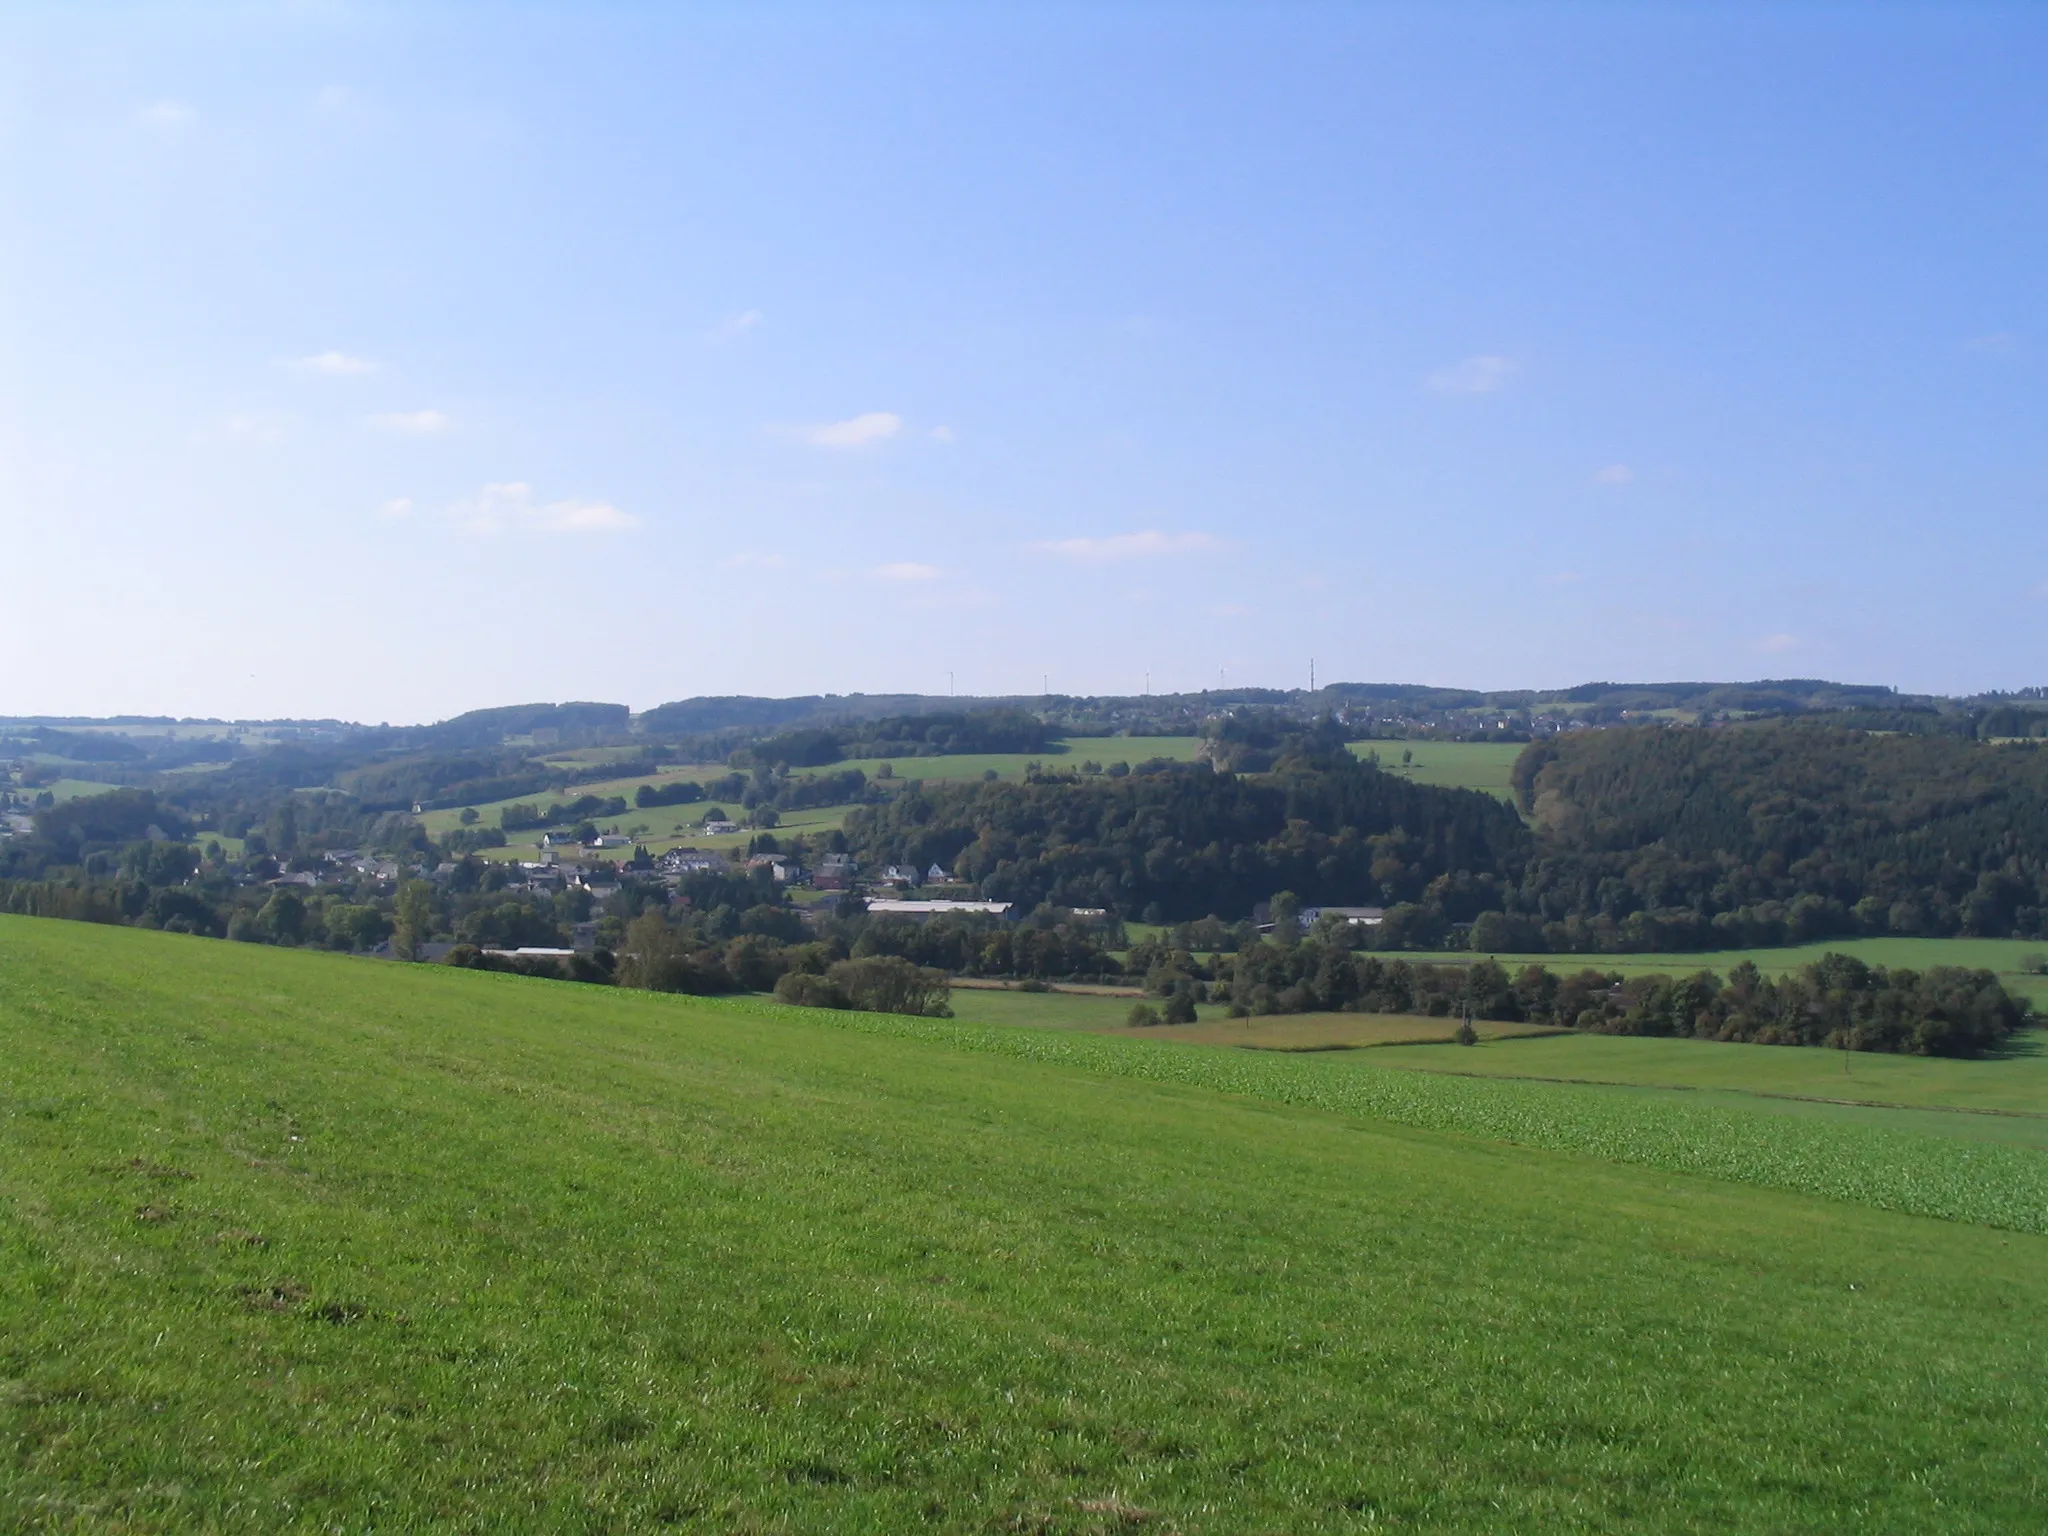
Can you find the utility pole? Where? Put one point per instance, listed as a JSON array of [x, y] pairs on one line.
[[1311, 674], [949, 682]]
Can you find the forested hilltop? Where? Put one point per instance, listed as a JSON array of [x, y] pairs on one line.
[[1690, 839], [1182, 841]]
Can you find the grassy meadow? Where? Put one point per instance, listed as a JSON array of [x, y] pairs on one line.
[[290, 1241], [672, 826], [1480, 765]]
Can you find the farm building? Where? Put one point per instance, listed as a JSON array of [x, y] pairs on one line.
[[919, 911]]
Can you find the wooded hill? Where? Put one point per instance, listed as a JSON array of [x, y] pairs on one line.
[[1765, 834]]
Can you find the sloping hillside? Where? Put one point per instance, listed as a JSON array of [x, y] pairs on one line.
[[290, 1241]]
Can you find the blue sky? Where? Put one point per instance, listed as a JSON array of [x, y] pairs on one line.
[[384, 361]]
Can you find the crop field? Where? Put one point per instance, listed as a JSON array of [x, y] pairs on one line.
[[2015, 1082], [292, 1241], [1480, 765]]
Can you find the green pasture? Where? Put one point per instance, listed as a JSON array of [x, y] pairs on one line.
[[1481, 765], [290, 1241], [1011, 765], [443, 821], [669, 826], [74, 789]]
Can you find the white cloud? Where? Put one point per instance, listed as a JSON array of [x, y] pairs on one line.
[[330, 98], [414, 423], [857, 431], [1777, 644], [907, 570], [748, 560], [509, 505], [397, 506], [944, 435], [1474, 376], [1614, 474], [732, 327], [165, 115], [336, 363], [1128, 546]]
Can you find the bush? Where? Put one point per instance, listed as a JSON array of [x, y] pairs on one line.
[[1142, 1016], [891, 984], [805, 991]]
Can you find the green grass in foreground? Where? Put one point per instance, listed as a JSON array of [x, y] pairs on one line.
[[290, 1241]]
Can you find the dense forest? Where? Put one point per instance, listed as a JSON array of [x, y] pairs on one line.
[[1687, 839]]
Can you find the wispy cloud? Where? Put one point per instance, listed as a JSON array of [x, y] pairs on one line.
[[336, 364], [733, 327], [1996, 344], [2040, 591], [749, 560], [1562, 579], [1129, 546], [1778, 644], [509, 506], [397, 506], [1614, 474], [1474, 376], [414, 423], [1233, 611], [856, 431], [944, 435], [907, 570], [165, 115]]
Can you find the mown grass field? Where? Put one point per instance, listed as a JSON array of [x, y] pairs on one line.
[[294, 1242], [1480, 765]]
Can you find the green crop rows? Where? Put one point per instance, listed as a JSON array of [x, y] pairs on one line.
[[1922, 1175]]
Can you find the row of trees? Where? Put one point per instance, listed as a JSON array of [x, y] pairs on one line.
[[1839, 1001]]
